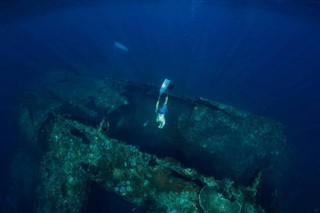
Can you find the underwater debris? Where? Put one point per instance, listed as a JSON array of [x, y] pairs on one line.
[[86, 130]]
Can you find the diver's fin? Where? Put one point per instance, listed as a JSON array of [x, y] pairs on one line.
[[164, 86]]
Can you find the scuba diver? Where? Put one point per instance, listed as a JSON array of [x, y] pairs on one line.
[[166, 85]]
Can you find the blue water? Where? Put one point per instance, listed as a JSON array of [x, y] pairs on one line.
[[260, 57]]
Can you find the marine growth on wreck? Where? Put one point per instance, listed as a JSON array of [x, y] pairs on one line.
[[81, 132]]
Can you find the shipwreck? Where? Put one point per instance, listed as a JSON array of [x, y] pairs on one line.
[[80, 132]]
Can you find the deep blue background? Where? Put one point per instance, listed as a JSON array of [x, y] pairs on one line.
[[260, 57]]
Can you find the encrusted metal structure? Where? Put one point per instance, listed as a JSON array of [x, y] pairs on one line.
[[80, 130]]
